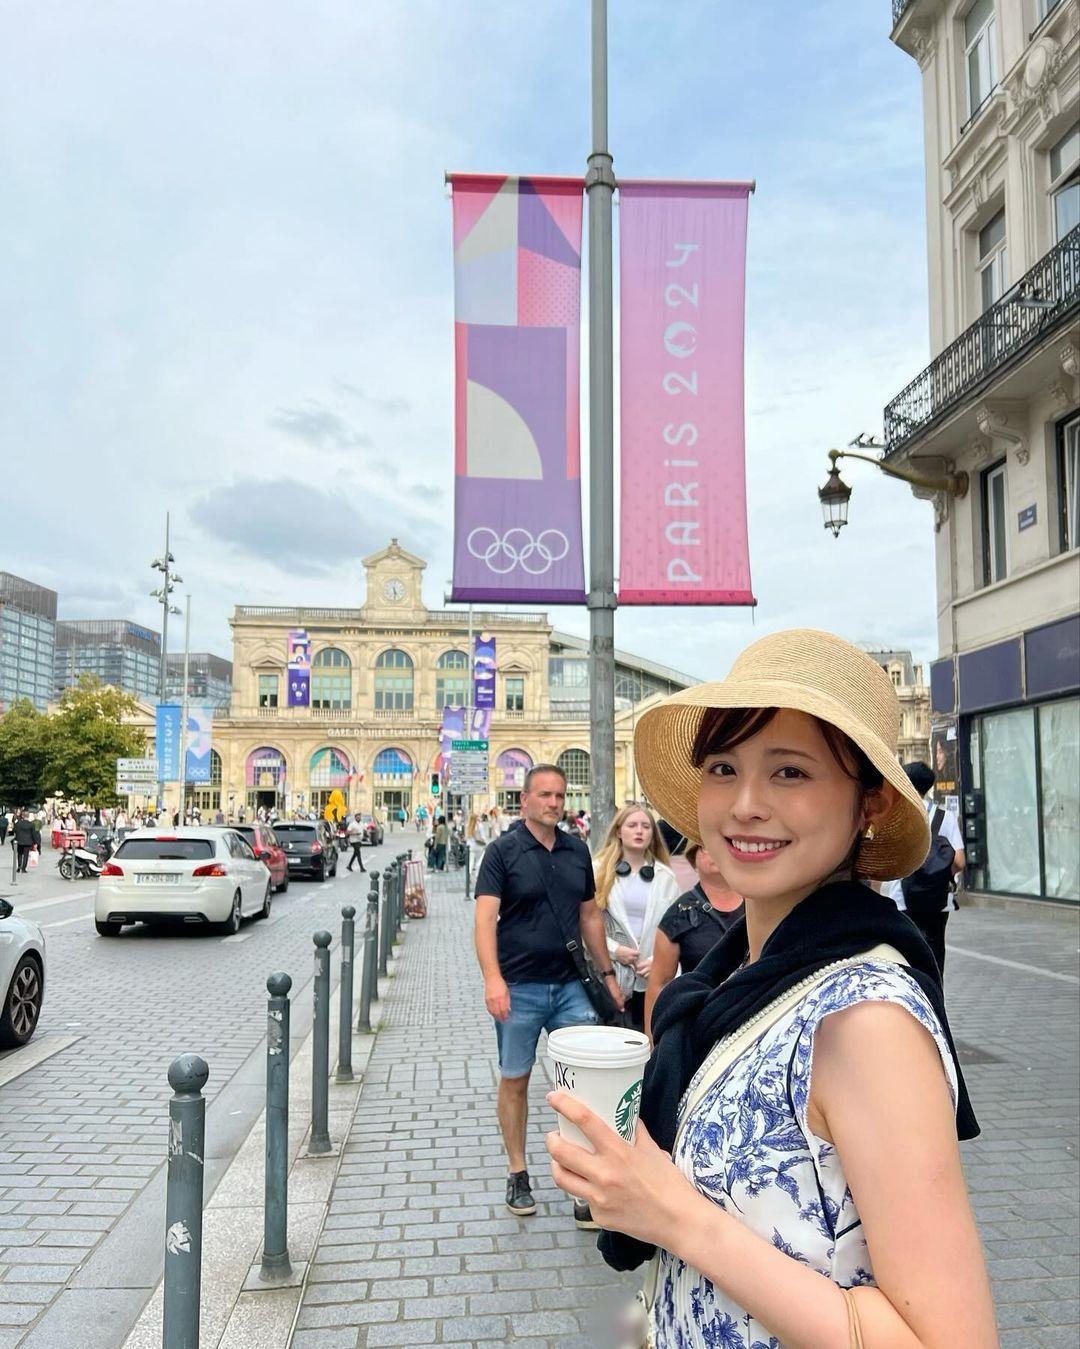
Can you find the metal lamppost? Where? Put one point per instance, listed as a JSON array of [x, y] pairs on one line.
[[835, 494], [600, 188], [169, 581]]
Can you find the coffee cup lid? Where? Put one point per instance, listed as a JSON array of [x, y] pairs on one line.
[[599, 1047]]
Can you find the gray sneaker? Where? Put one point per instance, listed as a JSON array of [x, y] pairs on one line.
[[583, 1217], [519, 1199]]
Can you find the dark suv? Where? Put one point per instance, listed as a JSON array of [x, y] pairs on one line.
[[310, 849]]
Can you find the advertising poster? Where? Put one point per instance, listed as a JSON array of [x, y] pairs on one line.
[[484, 670], [945, 762], [299, 668], [167, 741]]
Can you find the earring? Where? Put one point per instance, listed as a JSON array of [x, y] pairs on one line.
[[869, 835]]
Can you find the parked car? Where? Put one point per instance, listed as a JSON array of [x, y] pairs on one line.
[[309, 846], [373, 829], [22, 977], [267, 847], [189, 875]]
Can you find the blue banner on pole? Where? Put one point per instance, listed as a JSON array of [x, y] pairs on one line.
[[167, 741], [199, 727]]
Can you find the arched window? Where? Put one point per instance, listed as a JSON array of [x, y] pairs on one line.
[[511, 767], [265, 768], [392, 765], [329, 768], [577, 766], [393, 681], [331, 679], [452, 680]]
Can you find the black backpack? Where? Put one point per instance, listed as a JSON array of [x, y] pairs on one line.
[[926, 890]]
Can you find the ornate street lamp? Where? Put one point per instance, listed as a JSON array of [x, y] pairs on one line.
[[836, 494], [834, 498]]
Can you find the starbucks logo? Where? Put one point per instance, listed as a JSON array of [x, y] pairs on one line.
[[626, 1113]]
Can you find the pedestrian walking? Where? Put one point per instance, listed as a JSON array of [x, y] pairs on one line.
[[634, 889], [928, 896], [4, 824], [354, 834], [27, 838], [534, 893], [440, 838], [692, 926], [784, 1209]]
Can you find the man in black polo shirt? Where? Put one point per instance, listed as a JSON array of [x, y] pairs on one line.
[[529, 875]]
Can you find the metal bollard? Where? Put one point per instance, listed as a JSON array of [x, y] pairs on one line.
[[14, 860], [468, 870], [184, 1203], [401, 891], [345, 995], [320, 1061], [384, 918], [275, 1254], [369, 964]]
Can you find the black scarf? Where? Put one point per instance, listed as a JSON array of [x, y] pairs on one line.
[[840, 920]]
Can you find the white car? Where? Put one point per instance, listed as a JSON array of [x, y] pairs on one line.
[[189, 875], [22, 977]]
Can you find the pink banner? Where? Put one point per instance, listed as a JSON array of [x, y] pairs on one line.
[[517, 487], [683, 283]]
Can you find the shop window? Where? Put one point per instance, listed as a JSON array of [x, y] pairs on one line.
[[1065, 183], [1059, 783], [514, 689], [1068, 454], [994, 524], [980, 57], [1010, 792], [268, 690]]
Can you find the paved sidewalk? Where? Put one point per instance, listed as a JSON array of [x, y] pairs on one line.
[[418, 1248]]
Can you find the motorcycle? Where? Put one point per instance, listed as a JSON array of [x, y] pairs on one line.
[[83, 863]]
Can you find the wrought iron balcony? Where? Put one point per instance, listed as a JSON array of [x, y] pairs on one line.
[[1045, 299], [898, 7]]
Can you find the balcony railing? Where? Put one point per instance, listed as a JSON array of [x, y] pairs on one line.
[[1044, 299], [898, 7]]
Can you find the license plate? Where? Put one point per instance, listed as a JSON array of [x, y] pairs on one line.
[[294, 861], [157, 878]]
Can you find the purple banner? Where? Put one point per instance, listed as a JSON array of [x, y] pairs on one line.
[[517, 299], [484, 670], [461, 723], [299, 668]]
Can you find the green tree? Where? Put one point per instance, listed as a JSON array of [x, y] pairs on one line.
[[87, 736], [24, 737]]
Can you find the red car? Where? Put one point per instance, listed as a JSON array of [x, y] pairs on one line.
[[265, 845]]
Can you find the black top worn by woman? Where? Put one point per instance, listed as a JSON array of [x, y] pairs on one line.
[[694, 926]]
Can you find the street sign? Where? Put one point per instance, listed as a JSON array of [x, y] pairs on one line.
[[469, 772], [136, 770], [125, 787]]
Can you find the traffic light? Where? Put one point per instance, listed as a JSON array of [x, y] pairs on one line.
[[436, 784]]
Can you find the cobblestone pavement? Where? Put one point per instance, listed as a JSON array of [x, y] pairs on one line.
[[418, 1248], [83, 1133]]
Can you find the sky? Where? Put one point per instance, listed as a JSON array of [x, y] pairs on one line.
[[227, 288]]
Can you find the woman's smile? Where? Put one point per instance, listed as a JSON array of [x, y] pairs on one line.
[[753, 849]]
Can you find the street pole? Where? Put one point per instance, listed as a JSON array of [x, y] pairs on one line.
[[600, 187], [184, 707], [164, 653]]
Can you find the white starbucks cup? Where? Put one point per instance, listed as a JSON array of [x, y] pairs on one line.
[[603, 1066]]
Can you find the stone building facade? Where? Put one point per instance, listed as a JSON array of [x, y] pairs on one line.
[[998, 408]]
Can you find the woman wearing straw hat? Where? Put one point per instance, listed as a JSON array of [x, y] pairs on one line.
[[634, 888], [765, 1195]]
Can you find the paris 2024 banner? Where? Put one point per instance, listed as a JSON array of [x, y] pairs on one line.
[[683, 537]]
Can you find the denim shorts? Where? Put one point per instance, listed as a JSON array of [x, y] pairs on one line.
[[533, 1008]]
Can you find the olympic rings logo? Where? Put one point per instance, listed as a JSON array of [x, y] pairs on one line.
[[518, 548]]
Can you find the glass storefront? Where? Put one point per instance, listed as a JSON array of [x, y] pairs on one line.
[[1026, 763]]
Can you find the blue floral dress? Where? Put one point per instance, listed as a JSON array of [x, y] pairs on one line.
[[747, 1145]]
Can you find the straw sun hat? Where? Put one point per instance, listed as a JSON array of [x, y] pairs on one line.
[[807, 671]]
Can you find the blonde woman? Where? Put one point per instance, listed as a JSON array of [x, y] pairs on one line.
[[634, 889]]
